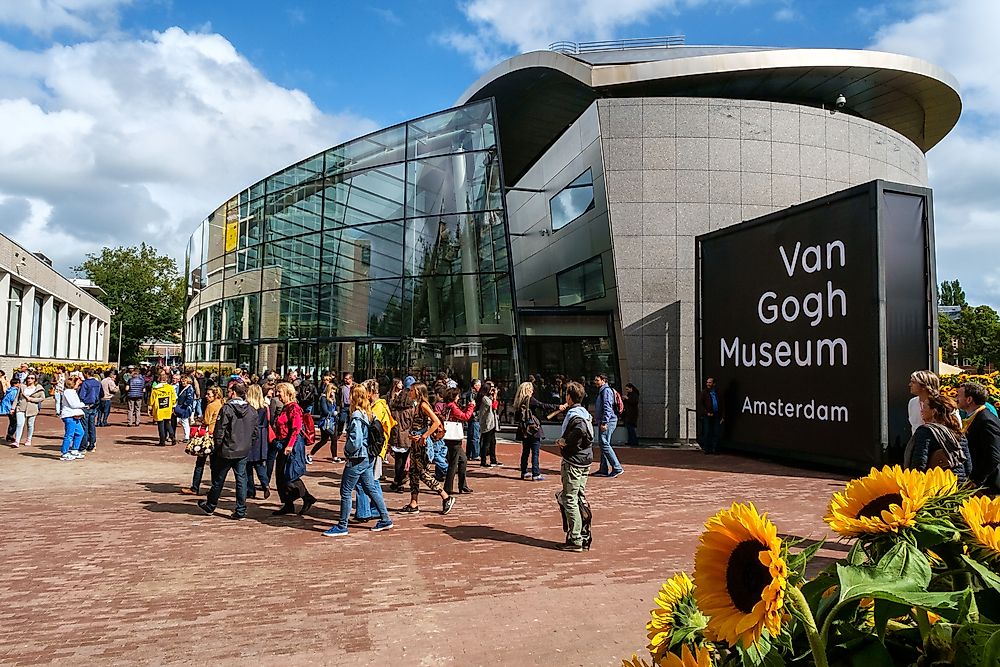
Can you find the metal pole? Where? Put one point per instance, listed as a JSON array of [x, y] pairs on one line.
[[120, 324]]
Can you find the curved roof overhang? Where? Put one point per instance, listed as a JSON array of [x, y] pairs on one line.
[[539, 94]]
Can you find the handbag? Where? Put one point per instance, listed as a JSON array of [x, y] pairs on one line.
[[200, 444], [453, 431]]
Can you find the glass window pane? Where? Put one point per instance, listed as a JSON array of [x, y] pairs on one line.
[[257, 190], [583, 282], [295, 261], [377, 149], [363, 253], [307, 170], [215, 234], [364, 308], [573, 201], [465, 243], [291, 313], [457, 304], [468, 128], [453, 184], [241, 315], [294, 211], [251, 223], [363, 197]]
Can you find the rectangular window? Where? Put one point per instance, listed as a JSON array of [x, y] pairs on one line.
[[573, 201], [583, 282], [14, 319], [36, 328]]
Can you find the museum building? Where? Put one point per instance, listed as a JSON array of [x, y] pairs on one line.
[[545, 225]]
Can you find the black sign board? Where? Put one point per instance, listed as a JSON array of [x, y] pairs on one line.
[[811, 320]]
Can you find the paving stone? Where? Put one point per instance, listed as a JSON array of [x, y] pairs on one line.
[[107, 563]]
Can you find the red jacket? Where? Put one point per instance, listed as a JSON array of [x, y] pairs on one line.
[[288, 426]]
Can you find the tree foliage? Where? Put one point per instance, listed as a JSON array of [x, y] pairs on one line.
[[951, 294], [143, 289]]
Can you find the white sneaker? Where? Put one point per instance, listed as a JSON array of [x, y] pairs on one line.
[[77, 454], [67, 457]]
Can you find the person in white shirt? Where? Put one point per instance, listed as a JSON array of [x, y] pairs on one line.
[[923, 385], [72, 416]]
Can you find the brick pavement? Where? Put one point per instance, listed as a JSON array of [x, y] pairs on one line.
[[107, 563]]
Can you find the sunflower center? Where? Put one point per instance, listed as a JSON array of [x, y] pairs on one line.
[[874, 509], [746, 576]]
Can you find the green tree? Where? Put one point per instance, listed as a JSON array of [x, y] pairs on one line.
[[145, 292], [951, 294], [978, 333]]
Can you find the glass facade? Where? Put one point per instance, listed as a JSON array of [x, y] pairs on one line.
[[384, 256], [572, 201], [583, 282]]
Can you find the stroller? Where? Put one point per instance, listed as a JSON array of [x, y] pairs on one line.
[[585, 514]]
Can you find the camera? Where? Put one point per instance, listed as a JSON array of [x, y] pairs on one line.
[[841, 101]]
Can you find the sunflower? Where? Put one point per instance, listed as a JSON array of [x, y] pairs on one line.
[[982, 515], [886, 500], [636, 661], [660, 627], [740, 575], [701, 657]]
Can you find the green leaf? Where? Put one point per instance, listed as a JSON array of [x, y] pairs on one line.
[[991, 652], [903, 568], [857, 555], [934, 532], [971, 643], [985, 574], [797, 563], [886, 610], [871, 654]]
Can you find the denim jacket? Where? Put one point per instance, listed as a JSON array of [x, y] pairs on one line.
[[356, 446], [9, 400]]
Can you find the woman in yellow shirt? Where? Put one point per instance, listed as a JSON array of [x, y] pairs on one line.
[[214, 397]]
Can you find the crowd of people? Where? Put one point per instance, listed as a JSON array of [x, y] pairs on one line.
[[267, 429]]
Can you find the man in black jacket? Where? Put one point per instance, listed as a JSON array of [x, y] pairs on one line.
[[233, 437], [577, 449], [983, 433]]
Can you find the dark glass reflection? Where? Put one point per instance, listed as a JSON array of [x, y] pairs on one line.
[[363, 197], [573, 201], [583, 282], [363, 253]]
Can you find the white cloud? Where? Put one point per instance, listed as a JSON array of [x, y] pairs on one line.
[[960, 35], [529, 25], [43, 17], [121, 141]]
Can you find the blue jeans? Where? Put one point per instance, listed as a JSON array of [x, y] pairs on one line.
[[531, 446], [104, 412], [89, 428], [220, 471], [437, 453], [358, 473], [260, 468], [609, 462], [58, 399], [73, 434], [363, 505], [272, 454], [472, 441], [199, 471], [711, 431]]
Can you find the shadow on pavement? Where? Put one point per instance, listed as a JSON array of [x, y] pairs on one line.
[[473, 533]]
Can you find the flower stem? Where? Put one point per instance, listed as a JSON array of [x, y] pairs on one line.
[[798, 601]]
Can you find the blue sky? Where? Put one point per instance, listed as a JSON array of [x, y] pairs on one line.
[[135, 118]]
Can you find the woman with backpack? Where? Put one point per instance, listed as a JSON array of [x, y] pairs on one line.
[[423, 424], [939, 441], [185, 406], [381, 414], [290, 465], [486, 413], [529, 428], [358, 471]]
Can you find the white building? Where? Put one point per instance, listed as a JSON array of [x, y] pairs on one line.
[[45, 317]]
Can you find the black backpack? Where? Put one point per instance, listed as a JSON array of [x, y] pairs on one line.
[[376, 439]]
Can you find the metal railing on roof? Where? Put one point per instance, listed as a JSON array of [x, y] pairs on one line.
[[574, 48]]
